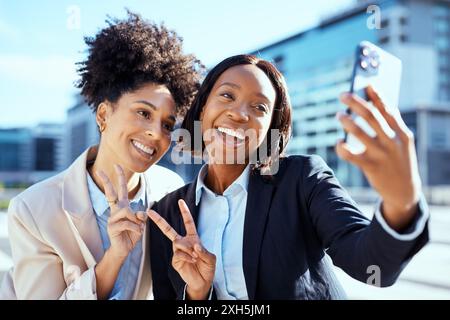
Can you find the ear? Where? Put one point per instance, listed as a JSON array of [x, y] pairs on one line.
[[102, 114]]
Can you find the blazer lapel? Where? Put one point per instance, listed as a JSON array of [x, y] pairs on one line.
[[144, 282], [190, 201], [77, 205], [258, 205]]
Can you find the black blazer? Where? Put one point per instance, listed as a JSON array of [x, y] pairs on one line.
[[291, 220]]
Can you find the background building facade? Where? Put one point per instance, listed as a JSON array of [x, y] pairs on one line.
[[318, 65], [31, 154]]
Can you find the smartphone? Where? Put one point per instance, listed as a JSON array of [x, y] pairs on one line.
[[381, 70]]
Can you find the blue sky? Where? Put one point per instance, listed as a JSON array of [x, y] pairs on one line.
[[40, 41]]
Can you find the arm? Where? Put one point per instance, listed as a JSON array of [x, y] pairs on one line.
[[36, 265], [353, 242], [399, 229]]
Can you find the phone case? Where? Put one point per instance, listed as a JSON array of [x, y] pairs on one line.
[[380, 69]]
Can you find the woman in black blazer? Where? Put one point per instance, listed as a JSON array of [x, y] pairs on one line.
[[282, 213]]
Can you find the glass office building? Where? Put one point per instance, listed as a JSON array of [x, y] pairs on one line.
[[16, 144], [29, 155], [318, 63]]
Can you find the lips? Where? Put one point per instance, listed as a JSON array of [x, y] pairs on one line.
[[145, 150]]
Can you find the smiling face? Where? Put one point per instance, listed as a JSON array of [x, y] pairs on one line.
[[138, 127], [238, 112]]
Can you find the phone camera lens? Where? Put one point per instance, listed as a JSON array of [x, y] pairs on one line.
[[365, 51], [374, 63], [364, 64]]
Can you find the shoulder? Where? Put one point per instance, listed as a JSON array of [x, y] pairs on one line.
[[162, 181], [298, 166], [38, 202]]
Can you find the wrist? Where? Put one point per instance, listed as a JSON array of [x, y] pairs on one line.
[[398, 217], [113, 257], [198, 294]]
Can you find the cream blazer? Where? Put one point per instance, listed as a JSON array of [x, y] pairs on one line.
[[55, 240]]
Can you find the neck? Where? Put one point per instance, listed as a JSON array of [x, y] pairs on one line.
[[221, 176], [105, 161]]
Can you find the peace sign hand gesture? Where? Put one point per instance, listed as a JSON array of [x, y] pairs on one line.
[[124, 227], [191, 260]]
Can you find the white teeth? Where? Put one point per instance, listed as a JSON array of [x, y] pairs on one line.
[[143, 148], [231, 132]]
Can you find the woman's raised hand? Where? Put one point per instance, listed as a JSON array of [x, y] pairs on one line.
[[388, 162], [124, 227], [191, 260]]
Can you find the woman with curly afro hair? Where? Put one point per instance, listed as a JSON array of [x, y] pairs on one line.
[[82, 233]]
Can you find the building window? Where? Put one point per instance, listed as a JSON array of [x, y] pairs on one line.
[[279, 63], [444, 93], [78, 139], [442, 43], [438, 139], [441, 11], [384, 40], [295, 130], [442, 26], [311, 150], [10, 159], [403, 38], [403, 21], [332, 159], [384, 24], [45, 154]]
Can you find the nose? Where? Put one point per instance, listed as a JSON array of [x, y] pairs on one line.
[[238, 113], [154, 130]]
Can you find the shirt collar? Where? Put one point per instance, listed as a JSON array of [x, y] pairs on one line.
[[241, 181], [98, 198]]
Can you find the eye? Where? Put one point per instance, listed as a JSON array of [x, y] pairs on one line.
[[144, 114], [227, 96], [261, 107], [169, 127]]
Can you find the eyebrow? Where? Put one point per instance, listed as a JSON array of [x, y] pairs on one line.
[[234, 85], [152, 106]]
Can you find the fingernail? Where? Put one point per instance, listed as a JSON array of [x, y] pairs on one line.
[[198, 248], [345, 96], [339, 115]]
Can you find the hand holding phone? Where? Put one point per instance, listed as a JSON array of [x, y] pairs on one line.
[[387, 156], [382, 71]]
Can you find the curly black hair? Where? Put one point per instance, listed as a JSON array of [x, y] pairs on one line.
[[132, 52]]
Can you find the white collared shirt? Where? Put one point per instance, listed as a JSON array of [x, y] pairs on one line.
[[221, 230]]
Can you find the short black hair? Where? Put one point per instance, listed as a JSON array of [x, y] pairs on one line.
[[281, 117], [132, 52]]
